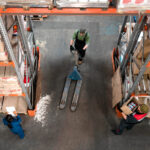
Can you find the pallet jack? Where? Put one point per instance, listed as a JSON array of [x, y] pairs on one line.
[[73, 76]]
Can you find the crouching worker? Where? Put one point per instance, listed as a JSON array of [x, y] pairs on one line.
[[14, 124], [129, 121]]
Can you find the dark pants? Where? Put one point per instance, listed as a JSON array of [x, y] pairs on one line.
[[81, 54], [124, 124], [79, 47]]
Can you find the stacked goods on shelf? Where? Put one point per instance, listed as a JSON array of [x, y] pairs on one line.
[[131, 5], [83, 3], [127, 31], [125, 39], [133, 69], [9, 81], [27, 2], [141, 53]]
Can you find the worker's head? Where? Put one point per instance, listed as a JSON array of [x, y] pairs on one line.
[[9, 118], [82, 31], [143, 108]]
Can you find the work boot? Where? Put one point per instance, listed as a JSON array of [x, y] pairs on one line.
[[129, 127], [79, 62], [116, 132], [73, 51]]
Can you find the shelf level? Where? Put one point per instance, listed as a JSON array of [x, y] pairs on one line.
[[12, 94], [68, 11], [7, 64]]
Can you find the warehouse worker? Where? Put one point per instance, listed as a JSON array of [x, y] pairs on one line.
[[14, 124], [80, 43], [129, 121]]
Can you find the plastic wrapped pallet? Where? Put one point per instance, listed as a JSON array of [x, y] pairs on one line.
[[83, 3], [18, 102], [131, 5], [9, 82]]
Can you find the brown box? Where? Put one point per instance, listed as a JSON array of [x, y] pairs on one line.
[[9, 102], [135, 68], [125, 108], [116, 88], [22, 105], [146, 49], [18, 102]]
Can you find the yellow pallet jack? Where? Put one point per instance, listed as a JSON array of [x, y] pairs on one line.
[[73, 76]]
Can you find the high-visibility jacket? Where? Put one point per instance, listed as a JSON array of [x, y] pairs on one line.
[[139, 117]]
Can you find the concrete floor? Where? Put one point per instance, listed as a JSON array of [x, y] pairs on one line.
[[89, 128]]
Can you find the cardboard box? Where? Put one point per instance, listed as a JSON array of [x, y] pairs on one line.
[[135, 68], [18, 102], [22, 105], [116, 88], [9, 102], [126, 109], [146, 49]]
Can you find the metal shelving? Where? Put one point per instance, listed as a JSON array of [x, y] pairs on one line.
[[27, 55], [131, 81]]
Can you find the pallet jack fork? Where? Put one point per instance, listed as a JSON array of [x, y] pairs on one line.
[[73, 76]]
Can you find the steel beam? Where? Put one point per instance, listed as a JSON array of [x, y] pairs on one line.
[[26, 46], [121, 31], [138, 78], [67, 11]]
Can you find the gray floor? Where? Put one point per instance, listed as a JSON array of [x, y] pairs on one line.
[[89, 128]]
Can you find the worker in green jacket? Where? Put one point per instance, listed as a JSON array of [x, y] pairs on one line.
[[79, 42]]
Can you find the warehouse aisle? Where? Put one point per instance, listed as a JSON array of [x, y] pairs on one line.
[[89, 128]]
